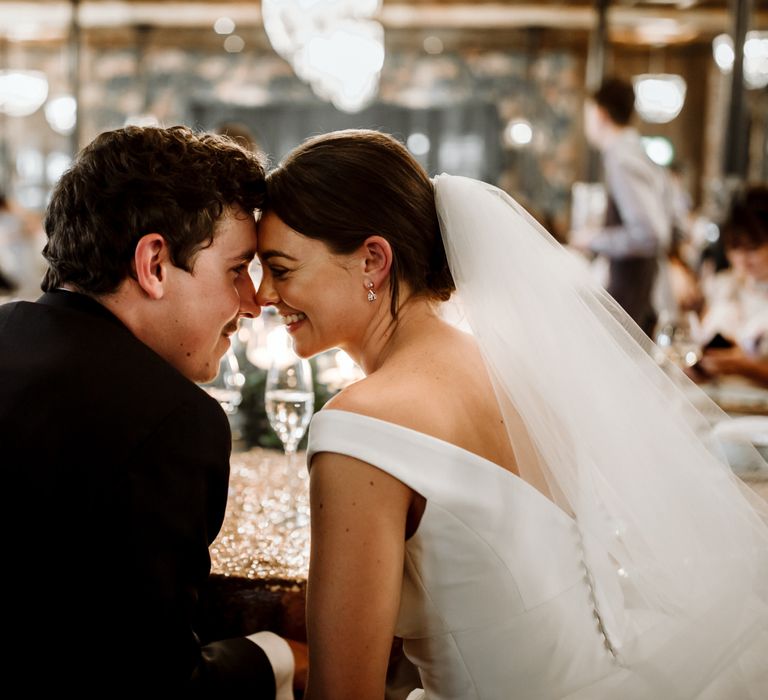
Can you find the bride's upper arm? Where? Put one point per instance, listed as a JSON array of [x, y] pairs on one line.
[[356, 568]]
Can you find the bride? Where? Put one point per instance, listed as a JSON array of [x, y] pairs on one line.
[[536, 508]]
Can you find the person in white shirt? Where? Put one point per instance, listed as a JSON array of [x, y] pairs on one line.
[[737, 298], [638, 219]]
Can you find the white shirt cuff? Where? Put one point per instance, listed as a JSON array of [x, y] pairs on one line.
[[281, 659]]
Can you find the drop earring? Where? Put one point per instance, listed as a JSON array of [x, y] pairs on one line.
[[371, 293]]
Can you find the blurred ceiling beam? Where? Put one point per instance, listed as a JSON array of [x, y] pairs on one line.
[[490, 15], [394, 15]]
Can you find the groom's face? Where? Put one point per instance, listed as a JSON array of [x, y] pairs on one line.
[[204, 306]]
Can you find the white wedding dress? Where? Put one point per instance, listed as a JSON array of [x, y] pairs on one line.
[[499, 597], [645, 575]]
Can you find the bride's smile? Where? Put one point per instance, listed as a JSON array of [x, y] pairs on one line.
[[291, 321]]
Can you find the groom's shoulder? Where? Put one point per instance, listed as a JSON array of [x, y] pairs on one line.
[[87, 352]]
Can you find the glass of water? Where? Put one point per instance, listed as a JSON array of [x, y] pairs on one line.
[[227, 388], [677, 338], [289, 399]]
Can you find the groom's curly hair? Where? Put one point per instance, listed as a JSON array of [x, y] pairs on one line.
[[345, 186], [138, 180]]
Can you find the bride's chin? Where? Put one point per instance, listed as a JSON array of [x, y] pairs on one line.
[[304, 350], [307, 350]]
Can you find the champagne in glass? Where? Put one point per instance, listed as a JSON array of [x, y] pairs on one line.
[[289, 413], [227, 387], [289, 398]]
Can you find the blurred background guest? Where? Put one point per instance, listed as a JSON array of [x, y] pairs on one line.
[[21, 261], [240, 133], [6, 284], [735, 320], [638, 219]]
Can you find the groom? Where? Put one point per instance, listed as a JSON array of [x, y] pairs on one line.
[[115, 464]]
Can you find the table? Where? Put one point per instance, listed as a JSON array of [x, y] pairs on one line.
[[259, 560], [737, 397], [265, 534]]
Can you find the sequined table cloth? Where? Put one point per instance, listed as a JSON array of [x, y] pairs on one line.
[[260, 558]]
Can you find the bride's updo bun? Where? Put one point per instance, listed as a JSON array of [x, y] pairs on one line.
[[345, 186]]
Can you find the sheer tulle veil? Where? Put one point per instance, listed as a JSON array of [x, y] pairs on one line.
[[676, 545]]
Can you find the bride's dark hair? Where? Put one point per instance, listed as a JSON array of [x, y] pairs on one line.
[[345, 186]]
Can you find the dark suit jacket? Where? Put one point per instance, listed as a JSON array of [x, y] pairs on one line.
[[115, 470]]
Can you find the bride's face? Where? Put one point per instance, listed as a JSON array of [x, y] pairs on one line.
[[319, 295]]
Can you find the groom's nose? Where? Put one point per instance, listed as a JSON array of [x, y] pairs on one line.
[[249, 305]]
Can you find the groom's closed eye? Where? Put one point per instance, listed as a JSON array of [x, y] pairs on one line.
[[242, 260]]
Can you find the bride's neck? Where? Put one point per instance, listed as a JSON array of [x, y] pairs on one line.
[[388, 338]]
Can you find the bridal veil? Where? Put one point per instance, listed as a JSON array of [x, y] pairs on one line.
[[676, 545]]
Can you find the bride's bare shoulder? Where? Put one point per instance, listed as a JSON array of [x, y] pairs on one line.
[[425, 392], [377, 396]]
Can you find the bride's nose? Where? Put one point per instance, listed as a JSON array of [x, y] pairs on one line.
[[266, 294]]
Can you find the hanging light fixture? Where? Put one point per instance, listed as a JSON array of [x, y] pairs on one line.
[[22, 92], [334, 45], [755, 57], [659, 97]]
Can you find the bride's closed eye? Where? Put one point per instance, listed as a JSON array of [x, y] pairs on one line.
[[278, 272]]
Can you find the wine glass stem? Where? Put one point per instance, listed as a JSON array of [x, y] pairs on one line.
[[290, 458]]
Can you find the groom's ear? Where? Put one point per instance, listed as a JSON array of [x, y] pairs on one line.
[[150, 261], [377, 259]]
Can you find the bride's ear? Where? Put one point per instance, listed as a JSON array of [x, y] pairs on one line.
[[377, 260], [150, 260]]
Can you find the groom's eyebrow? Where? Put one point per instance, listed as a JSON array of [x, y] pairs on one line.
[[267, 254], [245, 256]]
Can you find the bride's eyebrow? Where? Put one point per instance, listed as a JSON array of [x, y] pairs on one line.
[[268, 254]]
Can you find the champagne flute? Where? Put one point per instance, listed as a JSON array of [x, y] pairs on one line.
[[289, 398], [227, 387]]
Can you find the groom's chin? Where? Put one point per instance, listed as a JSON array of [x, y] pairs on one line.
[[204, 372], [205, 377]]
